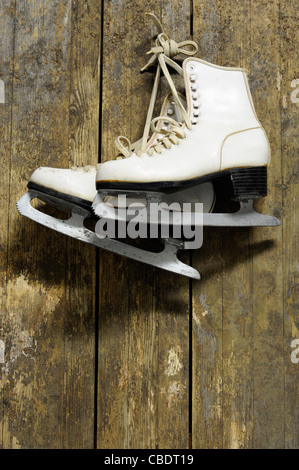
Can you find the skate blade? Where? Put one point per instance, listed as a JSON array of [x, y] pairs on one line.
[[246, 216], [74, 227]]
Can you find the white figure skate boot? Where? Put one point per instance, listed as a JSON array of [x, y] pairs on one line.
[[220, 138], [65, 188], [68, 188]]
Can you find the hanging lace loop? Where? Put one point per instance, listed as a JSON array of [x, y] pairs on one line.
[[123, 144], [163, 52], [169, 48]]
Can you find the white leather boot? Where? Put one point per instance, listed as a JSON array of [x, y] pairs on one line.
[[77, 184], [220, 136]]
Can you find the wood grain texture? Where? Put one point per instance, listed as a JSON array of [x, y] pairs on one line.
[[98, 350], [267, 267], [207, 315], [289, 46], [81, 260], [6, 53]]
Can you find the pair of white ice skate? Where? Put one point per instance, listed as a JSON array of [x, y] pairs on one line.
[[209, 138]]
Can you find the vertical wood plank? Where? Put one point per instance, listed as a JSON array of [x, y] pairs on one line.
[[267, 267], [237, 276], [49, 318], [239, 316], [35, 300], [6, 72], [289, 146], [207, 341], [222, 317], [143, 313], [81, 261]]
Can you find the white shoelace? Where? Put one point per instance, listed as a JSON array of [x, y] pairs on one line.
[[163, 52]]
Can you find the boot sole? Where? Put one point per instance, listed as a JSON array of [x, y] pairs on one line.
[[58, 195], [246, 183]]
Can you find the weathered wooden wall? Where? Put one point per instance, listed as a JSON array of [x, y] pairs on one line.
[[97, 351]]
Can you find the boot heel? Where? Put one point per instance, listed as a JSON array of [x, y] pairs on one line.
[[249, 183]]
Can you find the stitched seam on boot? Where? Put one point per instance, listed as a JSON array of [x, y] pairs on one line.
[[230, 135]]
